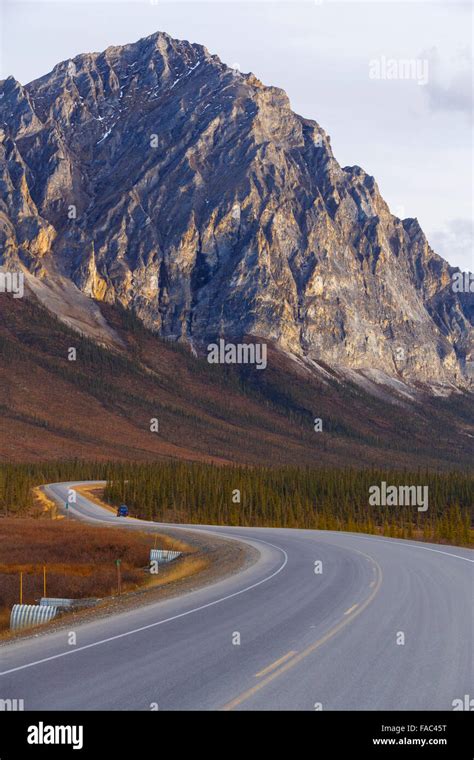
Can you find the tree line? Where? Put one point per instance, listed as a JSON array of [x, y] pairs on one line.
[[287, 496], [294, 497]]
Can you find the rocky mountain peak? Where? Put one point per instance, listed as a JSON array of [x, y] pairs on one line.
[[154, 175]]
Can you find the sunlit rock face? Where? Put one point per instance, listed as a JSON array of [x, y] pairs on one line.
[[156, 176]]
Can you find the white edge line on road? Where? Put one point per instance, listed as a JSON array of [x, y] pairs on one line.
[[398, 543], [159, 622]]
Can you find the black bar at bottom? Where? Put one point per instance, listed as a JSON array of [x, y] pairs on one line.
[[143, 734]]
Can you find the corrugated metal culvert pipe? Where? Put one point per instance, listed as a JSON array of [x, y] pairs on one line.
[[29, 615]]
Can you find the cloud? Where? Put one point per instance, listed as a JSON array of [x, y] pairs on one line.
[[454, 242], [450, 83]]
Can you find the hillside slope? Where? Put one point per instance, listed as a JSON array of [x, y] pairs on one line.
[[100, 405]]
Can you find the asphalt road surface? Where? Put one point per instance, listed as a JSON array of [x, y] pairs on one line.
[[309, 640]]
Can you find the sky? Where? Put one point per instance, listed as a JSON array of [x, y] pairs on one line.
[[390, 82]]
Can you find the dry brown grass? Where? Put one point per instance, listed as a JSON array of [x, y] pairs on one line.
[[94, 494], [176, 571], [80, 560], [43, 506], [161, 541]]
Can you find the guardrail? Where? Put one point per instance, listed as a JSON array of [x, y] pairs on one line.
[[29, 615], [66, 604], [163, 555]]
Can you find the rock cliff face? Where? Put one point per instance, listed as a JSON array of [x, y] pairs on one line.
[[156, 176]]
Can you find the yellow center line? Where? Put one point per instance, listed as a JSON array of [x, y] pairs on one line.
[[312, 647], [275, 664], [348, 612]]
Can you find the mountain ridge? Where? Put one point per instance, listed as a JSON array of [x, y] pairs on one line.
[[203, 203]]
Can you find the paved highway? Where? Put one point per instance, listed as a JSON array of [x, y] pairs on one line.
[[308, 640]]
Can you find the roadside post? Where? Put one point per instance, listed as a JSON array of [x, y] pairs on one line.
[[119, 577]]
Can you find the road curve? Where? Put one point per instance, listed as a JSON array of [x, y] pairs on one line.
[[330, 640]]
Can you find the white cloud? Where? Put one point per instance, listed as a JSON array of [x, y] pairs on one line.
[[450, 83], [454, 242]]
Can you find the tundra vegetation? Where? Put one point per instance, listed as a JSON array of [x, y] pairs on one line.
[[100, 405], [80, 560]]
